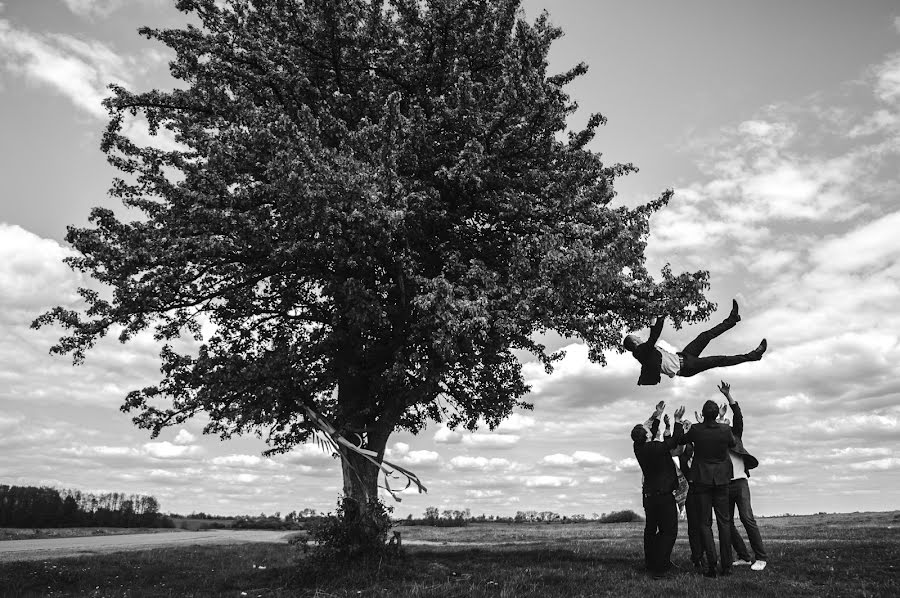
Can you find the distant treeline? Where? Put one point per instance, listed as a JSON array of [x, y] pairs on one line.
[[462, 518], [28, 506]]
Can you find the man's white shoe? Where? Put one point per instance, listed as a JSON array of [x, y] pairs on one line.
[[740, 562], [758, 565]]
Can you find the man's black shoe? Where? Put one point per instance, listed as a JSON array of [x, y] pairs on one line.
[[725, 572], [711, 572], [734, 316]]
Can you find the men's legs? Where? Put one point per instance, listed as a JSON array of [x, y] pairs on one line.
[[705, 510], [719, 498], [668, 529], [692, 364], [650, 525], [737, 542], [696, 346], [745, 511], [692, 510]]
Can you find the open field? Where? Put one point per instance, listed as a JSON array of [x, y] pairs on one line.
[[56, 548], [819, 555], [28, 533]]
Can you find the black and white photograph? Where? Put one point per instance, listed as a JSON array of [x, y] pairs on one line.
[[438, 298]]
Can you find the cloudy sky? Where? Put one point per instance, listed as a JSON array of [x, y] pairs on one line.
[[778, 125]]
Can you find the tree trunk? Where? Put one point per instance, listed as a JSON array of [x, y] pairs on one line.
[[360, 478]]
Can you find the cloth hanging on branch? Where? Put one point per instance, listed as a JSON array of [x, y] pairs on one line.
[[336, 441]]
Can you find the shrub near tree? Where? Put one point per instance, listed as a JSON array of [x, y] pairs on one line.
[[373, 205]]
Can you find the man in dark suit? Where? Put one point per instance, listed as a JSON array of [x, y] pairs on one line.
[[739, 492], [656, 361], [660, 480], [711, 473], [691, 504]]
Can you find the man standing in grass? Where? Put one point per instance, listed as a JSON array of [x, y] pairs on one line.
[[711, 473], [660, 481], [739, 492]]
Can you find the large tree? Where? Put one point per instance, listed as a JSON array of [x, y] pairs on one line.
[[374, 206]]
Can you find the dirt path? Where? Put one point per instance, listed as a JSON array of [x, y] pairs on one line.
[[53, 548]]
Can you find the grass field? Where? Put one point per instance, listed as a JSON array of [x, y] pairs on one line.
[[817, 556], [28, 533]]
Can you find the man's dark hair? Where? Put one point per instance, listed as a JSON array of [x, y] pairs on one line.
[[639, 433], [710, 410]]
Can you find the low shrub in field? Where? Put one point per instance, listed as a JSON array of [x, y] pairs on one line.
[[352, 534], [626, 516]]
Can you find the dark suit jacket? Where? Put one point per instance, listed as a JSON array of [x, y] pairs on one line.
[[750, 461], [656, 463], [649, 356], [711, 465]]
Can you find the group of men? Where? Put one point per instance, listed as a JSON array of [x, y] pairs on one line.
[[712, 460]]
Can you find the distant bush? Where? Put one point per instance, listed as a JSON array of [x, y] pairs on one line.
[[270, 523], [620, 517]]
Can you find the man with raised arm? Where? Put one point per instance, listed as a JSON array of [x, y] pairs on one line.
[[687, 362], [739, 491], [660, 481], [710, 474]]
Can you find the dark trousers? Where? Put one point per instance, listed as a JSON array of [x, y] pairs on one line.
[[739, 495], [714, 498], [692, 511], [693, 364], [660, 530]]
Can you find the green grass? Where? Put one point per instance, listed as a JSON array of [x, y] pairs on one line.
[[30, 533], [816, 556]]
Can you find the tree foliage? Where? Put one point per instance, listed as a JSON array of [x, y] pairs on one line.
[[373, 207]]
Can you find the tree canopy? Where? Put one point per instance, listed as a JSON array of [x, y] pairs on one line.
[[373, 207]]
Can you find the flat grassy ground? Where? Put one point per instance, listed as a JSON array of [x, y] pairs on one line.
[[27, 533], [817, 556]]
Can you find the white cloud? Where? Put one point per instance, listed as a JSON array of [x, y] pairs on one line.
[[873, 246], [491, 440], [857, 423], [877, 464], [445, 435], [184, 437], [628, 464], [549, 481], [80, 70], [887, 87], [476, 494], [91, 9], [467, 463], [401, 454], [578, 458], [517, 422], [167, 450], [483, 439], [32, 272]]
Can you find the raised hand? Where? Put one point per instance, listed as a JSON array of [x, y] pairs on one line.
[[723, 409], [679, 413], [660, 407], [725, 389], [666, 420]]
